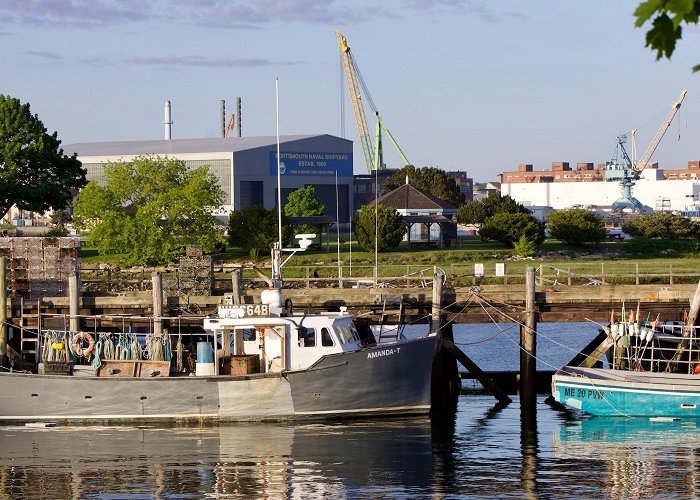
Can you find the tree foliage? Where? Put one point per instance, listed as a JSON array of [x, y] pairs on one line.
[[35, 174], [508, 228], [150, 209], [255, 229], [662, 225], [303, 202], [472, 212], [429, 179], [390, 228], [576, 227], [666, 18]]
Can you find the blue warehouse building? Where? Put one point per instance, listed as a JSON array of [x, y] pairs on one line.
[[246, 167]]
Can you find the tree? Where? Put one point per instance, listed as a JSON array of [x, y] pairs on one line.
[[478, 212], [150, 209], [496, 203], [575, 227], [429, 179], [666, 17], [35, 174], [391, 228], [255, 229], [509, 228], [303, 202], [662, 225]]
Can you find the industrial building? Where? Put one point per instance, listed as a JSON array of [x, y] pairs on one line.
[[564, 187], [246, 167]]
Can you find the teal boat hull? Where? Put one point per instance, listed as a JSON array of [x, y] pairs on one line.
[[610, 393]]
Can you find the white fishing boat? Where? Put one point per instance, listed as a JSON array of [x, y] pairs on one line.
[[653, 371], [253, 362]]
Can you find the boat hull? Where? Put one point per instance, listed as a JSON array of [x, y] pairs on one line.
[[383, 380], [605, 392]]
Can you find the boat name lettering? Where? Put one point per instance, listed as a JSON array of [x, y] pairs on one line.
[[385, 352], [242, 311], [573, 392]]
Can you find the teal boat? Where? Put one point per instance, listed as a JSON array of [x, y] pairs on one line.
[[652, 373]]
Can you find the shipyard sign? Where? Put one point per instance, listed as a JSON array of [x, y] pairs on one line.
[[304, 163]]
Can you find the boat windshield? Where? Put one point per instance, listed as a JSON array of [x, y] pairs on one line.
[[346, 332]]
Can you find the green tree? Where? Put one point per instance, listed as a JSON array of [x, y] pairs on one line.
[[508, 228], [472, 212], [255, 229], [432, 180], [390, 228], [662, 225], [150, 209], [575, 227], [525, 247], [496, 203], [666, 17], [35, 174], [303, 202]]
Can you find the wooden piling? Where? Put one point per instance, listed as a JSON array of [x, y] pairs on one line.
[[236, 282], [528, 335], [73, 302], [3, 312], [157, 280], [437, 301]]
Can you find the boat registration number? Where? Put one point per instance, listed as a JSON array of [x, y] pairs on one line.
[[244, 310], [579, 392]]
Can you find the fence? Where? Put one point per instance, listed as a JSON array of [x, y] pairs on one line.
[[596, 273]]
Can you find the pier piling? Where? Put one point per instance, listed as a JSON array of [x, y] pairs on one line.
[[3, 312], [157, 280], [73, 302], [528, 337]]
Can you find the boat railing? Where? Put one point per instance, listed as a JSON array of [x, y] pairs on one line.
[[670, 347]]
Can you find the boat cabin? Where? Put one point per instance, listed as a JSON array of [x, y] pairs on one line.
[[257, 339]]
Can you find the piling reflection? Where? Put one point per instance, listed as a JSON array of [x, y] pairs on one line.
[[253, 461]]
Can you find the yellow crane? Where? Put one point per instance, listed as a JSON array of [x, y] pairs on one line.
[[373, 155]]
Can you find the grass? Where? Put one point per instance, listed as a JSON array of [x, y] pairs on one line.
[[621, 264]]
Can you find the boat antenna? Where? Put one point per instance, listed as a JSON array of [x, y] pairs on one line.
[[337, 227], [277, 251]]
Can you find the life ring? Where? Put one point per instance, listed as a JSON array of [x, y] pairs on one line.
[[78, 347]]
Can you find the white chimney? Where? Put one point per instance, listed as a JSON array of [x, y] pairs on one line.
[[168, 121]]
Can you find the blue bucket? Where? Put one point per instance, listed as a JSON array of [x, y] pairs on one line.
[[205, 353]]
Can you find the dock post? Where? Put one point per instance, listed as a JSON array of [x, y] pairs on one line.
[[157, 280], [236, 281], [73, 303], [528, 338], [437, 301], [3, 312]]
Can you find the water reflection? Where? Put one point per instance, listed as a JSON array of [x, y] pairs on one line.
[[275, 461], [634, 457]]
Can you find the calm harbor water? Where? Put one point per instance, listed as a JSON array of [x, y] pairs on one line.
[[485, 451]]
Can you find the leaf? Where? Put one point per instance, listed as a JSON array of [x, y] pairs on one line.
[[645, 10], [662, 37]]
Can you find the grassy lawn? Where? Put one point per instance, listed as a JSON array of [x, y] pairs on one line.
[[613, 262]]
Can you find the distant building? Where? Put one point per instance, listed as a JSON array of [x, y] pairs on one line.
[[364, 190], [246, 167], [565, 187], [428, 219]]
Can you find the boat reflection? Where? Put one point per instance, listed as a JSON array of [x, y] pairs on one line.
[[251, 460], [633, 457]]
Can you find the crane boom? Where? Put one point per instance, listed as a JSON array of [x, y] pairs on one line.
[[356, 99], [642, 164], [357, 88]]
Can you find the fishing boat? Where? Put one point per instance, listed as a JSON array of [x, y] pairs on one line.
[[653, 371], [253, 362]]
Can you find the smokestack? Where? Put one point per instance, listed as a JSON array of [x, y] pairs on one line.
[[238, 114], [223, 118], [168, 121]]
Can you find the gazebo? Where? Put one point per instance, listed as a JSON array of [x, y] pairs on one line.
[[428, 219]]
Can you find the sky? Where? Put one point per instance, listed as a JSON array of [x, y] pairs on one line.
[[473, 85]]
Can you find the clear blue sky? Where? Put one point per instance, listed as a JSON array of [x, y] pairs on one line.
[[467, 85]]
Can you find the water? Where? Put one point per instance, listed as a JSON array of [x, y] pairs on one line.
[[486, 451]]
